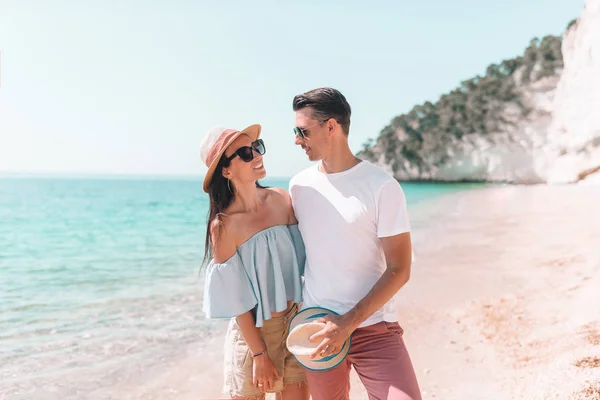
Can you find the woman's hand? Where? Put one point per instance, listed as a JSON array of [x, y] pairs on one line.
[[264, 372]]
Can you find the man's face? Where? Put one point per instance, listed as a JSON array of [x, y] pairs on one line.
[[316, 134]]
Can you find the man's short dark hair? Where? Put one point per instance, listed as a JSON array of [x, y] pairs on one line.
[[327, 103]]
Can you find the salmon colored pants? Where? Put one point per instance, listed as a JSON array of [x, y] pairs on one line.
[[380, 358]]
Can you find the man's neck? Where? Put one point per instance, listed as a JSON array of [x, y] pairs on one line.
[[339, 161]]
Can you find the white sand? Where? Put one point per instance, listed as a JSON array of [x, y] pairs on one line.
[[506, 300]]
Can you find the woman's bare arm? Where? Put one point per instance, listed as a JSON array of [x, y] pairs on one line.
[[224, 245]]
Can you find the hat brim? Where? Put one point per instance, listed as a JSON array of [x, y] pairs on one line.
[[309, 315], [253, 131]]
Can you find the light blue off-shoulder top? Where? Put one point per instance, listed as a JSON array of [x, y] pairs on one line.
[[263, 275]]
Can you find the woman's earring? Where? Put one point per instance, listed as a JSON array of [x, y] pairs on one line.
[[229, 185]]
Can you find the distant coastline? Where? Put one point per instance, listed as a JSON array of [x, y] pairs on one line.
[[114, 176]]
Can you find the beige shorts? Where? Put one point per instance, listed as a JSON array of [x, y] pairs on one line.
[[238, 360]]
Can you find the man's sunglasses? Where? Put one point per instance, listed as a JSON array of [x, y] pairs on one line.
[[302, 131], [246, 153]]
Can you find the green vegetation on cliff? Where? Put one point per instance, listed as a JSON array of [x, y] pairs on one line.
[[476, 106]]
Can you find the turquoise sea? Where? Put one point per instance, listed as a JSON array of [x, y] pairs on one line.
[[95, 272]]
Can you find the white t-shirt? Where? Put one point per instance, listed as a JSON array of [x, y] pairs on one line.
[[341, 217]]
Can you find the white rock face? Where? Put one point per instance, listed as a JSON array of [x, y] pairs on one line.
[[513, 155], [574, 135], [557, 142], [516, 155]]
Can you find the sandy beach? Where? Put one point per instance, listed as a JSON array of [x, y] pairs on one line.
[[503, 303]]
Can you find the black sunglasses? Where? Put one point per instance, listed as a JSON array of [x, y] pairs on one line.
[[246, 153], [302, 131]]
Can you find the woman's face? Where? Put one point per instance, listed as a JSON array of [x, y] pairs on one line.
[[239, 170]]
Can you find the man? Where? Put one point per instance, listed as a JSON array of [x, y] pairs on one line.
[[354, 222]]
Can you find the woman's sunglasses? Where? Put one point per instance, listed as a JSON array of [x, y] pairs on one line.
[[246, 153]]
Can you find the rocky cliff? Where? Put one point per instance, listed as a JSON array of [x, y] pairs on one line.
[[574, 134], [531, 119]]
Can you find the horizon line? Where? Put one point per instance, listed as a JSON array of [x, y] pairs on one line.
[[12, 174]]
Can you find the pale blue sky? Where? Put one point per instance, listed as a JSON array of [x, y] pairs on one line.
[[130, 87]]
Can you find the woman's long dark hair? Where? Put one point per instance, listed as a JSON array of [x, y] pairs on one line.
[[220, 193]]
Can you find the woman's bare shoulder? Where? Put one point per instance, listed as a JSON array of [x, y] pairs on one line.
[[222, 234], [280, 194], [282, 200]]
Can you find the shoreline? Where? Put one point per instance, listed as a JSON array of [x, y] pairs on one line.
[[487, 315], [501, 304]]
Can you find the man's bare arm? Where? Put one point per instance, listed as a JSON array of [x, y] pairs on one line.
[[398, 255]]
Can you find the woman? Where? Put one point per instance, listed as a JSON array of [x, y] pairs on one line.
[[256, 258]]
